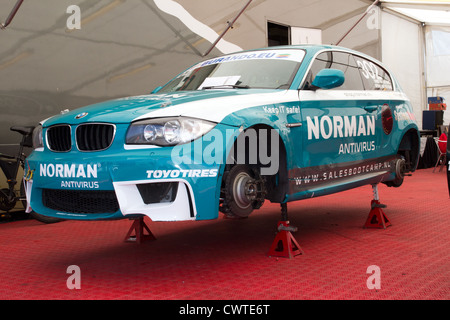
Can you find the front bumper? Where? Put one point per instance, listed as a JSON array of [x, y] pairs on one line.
[[118, 184]]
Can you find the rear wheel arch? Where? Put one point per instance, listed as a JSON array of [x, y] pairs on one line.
[[408, 151], [409, 148]]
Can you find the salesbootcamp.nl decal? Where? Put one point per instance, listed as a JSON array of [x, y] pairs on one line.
[[302, 179]]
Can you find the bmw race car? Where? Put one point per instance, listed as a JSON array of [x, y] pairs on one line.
[[276, 124]]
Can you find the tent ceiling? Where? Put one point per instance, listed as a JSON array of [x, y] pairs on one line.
[[428, 12]]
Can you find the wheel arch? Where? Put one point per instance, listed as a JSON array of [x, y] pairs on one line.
[[409, 148], [408, 151], [277, 184]]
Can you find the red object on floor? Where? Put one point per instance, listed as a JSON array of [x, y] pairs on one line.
[[442, 143], [285, 244], [139, 227], [377, 218]]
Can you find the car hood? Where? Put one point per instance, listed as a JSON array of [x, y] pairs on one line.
[[211, 105]]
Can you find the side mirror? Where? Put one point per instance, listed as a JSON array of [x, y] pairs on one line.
[[156, 90], [328, 79]]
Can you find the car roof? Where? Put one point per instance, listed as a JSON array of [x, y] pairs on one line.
[[313, 48]]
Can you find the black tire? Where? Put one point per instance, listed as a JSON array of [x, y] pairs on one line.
[[33, 214], [5, 204], [400, 169], [238, 182], [44, 219]]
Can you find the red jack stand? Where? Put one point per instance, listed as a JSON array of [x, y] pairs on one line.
[[377, 218], [285, 244], [138, 227]]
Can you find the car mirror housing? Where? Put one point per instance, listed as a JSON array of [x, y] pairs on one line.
[[328, 79]]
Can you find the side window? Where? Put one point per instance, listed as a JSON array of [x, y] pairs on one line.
[[341, 61], [374, 77]]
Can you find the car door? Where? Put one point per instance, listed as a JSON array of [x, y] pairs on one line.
[[378, 85], [338, 127]]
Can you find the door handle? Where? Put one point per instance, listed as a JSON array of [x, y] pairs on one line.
[[370, 108], [293, 125]]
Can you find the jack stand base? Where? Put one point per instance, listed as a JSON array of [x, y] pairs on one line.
[[285, 244], [377, 218], [138, 227]]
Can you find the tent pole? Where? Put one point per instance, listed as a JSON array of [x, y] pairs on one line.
[[12, 14], [357, 22], [425, 62], [230, 25]]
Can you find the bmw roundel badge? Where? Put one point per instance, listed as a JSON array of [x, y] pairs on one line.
[[81, 115]]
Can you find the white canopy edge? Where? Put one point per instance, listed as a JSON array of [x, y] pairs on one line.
[[427, 12]]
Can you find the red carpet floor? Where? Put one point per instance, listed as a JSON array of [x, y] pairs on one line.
[[226, 259]]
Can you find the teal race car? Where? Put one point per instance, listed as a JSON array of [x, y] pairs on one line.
[[279, 124]]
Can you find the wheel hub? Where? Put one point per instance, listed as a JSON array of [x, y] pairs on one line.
[[243, 190]]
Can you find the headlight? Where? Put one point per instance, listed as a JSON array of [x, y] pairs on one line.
[[37, 137], [167, 131]]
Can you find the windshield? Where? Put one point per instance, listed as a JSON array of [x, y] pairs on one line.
[[270, 69]]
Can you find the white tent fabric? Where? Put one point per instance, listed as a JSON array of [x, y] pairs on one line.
[[438, 56], [438, 64], [401, 52], [432, 39], [429, 12]]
